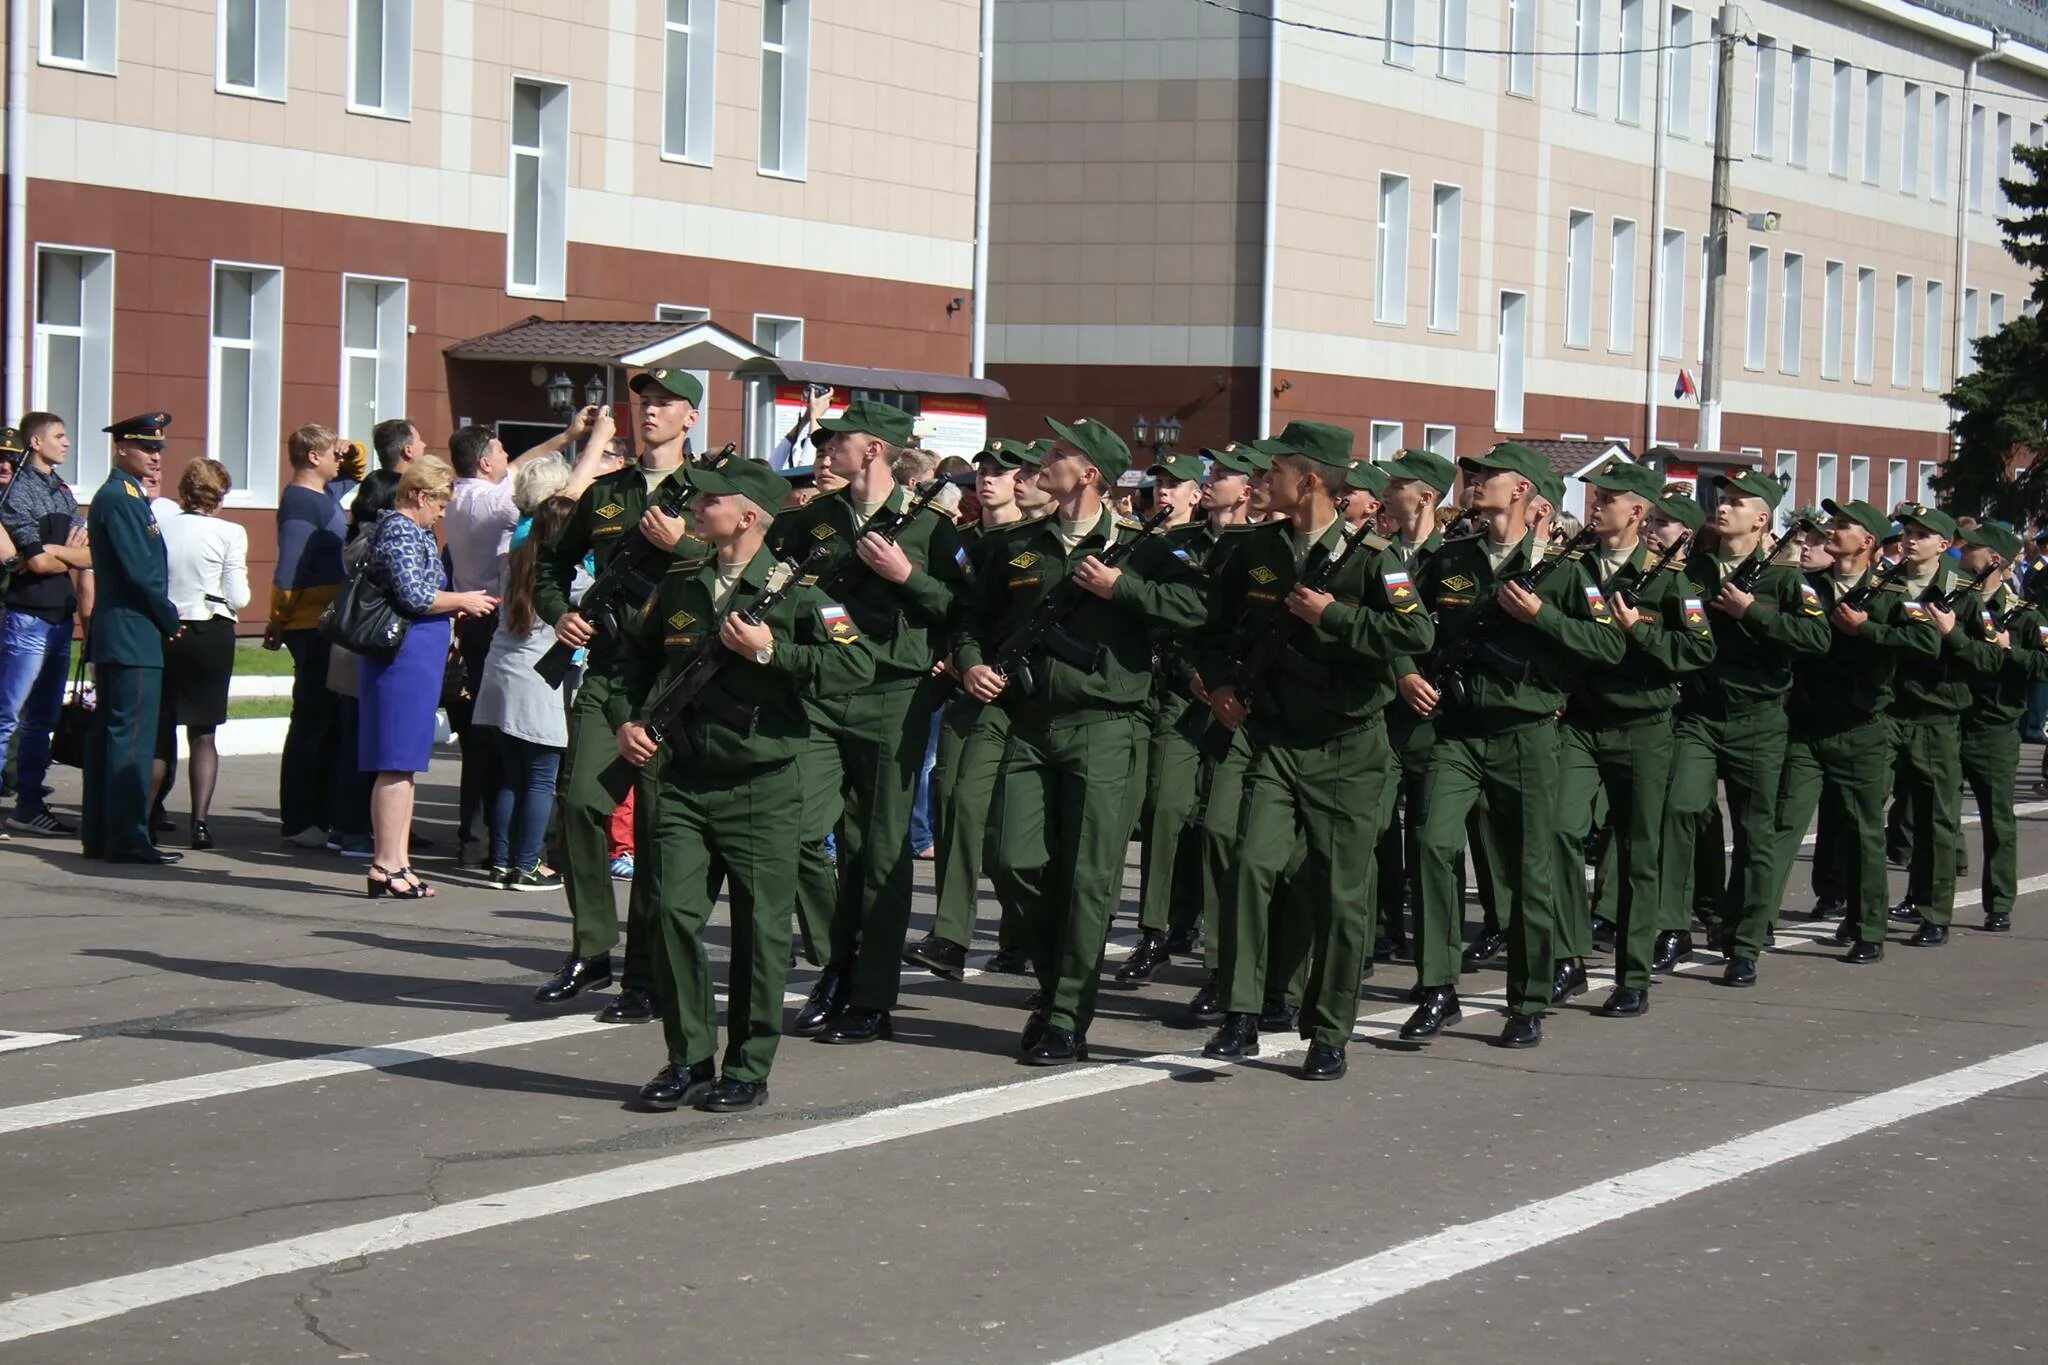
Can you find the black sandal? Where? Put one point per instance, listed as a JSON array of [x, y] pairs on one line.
[[414, 887], [378, 881]]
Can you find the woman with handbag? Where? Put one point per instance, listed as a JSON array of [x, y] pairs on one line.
[[209, 577], [400, 686]]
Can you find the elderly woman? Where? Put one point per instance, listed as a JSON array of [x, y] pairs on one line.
[[208, 557], [395, 738]]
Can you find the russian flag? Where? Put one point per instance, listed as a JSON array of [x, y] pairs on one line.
[[1684, 388]]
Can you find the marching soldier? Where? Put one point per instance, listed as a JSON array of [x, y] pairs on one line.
[[1508, 657], [1991, 727]]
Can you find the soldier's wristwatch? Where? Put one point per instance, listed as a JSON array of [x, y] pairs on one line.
[[763, 655]]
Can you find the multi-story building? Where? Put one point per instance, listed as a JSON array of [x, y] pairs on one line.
[[260, 213], [1448, 222]]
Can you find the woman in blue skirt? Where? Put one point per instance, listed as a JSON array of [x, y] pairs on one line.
[[396, 736]]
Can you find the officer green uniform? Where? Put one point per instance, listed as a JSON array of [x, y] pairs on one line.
[[861, 761], [730, 795], [1319, 756], [1073, 776], [132, 617], [1991, 727], [1500, 747], [1616, 741]]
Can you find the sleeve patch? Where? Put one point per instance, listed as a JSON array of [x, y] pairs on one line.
[[1399, 589], [960, 556], [839, 627], [1809, 599], [2044, 637], [1597, 601], [1182, 555], [1917, 611], [1695, 613]]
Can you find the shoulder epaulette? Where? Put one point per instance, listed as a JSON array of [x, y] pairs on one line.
[[1128, 524], [1376, 542]]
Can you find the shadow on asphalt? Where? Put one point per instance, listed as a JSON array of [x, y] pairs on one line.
[[463, 1071]]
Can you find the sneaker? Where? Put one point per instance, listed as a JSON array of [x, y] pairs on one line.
[[334, 841], [622, 868], [312, 836], [356, 846], [499, 875], [536, 879], [42, 822]]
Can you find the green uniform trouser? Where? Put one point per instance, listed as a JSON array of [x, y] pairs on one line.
[[1846, 774], [1308, 813], [1745, 749], [120, 744], [1511, 768], [1831, 846], [1486, 863], [971, 741], [1631, 763], [737, 827], [866, 748], [586, 862], [1216, 821], [1170, 895], [1065, 803], [1991, 765], [1401, 817], [1931, 792]]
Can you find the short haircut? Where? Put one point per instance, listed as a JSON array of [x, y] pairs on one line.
[[203, 486], [467, 448], [309, 441], [35, 424], [427, 477], [537, 481], [390, 438]]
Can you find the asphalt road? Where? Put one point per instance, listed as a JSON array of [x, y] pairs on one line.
[[248, 1115]]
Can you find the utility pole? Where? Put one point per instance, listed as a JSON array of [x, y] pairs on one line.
[[1717, 228]]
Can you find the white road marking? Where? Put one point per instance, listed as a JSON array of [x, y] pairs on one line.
[[11, 1041], [1263, 1319]]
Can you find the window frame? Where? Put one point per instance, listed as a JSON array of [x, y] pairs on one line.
[[1628, 80], [1834, 308], [1519, 65], [1397, 50], [1756, 320], [1621, 285], [390, 350], [1671, 301], [1799, 141], [1909, 138], [397, 63], [262, 485], [1934, 315], [1586, 56], [1903, 292], [1390, 252], [1941, 117], [270, 56], [1792, 313], [1429, 433], [700, 91], [1451, 46], [1375, 431], [1578, 279], [1763, 108], [1828, 485], [1841, 106], [100, 32], [1873, 127], [1865, 360], [1502, 413], [91, 449], [1677, 92], [551, 250], [795, 101], [1442, 252], [760, 433]]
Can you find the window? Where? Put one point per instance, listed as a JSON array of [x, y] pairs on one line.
[[1446, 229], [1827, 479], [1671, 295], [1621, 286], [1926, 494], [1902, 332], [1997, 314], [782, 338], [1390, 285], [372, 353], [1873, 127], [1713, 82], [700, 435], [2001, 159], [1507, 384], [1787, 473], [537, 248], [1909, 141], [1935, 329], [1973, 327], [1859, 478], [1831, 304], [1401, 33], [1894, 483], [74, 355], [1678, 74], [1586, 63], [1450, 39], [689, 52], [1440, 440], [1522, 50], [1973, 161], [1838, 125], [243, 376], [1866, 323], [1764, 109], [79, 34], [1578, 279], [249, 48], [1706, 269], [380, 58], [1386, 441], [1802, 104], [1937, 159], [1629, 59], [1757, 303], [785, 86], [1792, 313]]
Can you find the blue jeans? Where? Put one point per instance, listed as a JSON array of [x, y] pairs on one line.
[[921, 807], [523, 801], [35, 660]]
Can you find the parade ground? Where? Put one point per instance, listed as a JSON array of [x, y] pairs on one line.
[[248, 1115]]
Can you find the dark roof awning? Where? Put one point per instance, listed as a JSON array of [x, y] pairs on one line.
[[1739, 459], [1575, 459], [857, 377], [678, 345]]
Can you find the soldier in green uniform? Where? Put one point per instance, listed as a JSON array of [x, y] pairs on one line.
[[1617, 736], [1991, 727], [1317, 728], [1829, 895], [1731, 722], [1073, 776], [610, 508], [971, 742], [131, 619], [866, 746], [729, 802], [1509, 657]]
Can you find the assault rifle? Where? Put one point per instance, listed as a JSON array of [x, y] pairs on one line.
[[889, 526], [628, 582], [1632, 593], [1046, 628], [1450, 675], [2036, 595], [1752, 570], [1947, 601], [1859, 597]]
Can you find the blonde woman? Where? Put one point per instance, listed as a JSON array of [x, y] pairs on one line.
[[209, 584]]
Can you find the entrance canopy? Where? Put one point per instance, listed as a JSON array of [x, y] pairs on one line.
[[858, 379], [629, 345]]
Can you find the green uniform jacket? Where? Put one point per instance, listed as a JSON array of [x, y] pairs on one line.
[[818, 652], [1376, 617], [1160, 584], [1177, 651], [1575, 629], [2002, 698], [1753, 653], [132, 614], [1404, 665], [1853, 681], [607, 511], [1946, 684], [905, 623], [1670, 639]]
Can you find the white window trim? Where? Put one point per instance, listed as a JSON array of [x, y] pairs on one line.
[[1859, 464], [1629, 60], [102, 62], [1791, 317], [1756, 302], [1912, 114], [1896, 473], [396, 45], [797, 97], [761, 442], [264, 485], [1763, 109], [664, 312], [1622, 340], [1390, 245], [1373, 433], [1451, 46], [1863, 359], [1571, 277], [1829, 486], [1457, 248], [91, 448], [1934, 311], [1903, 354], [278, 87], [1501, 415], [1671, 302], [397, 359], [1430, 431], [1799, 142], [1396, 50], [1787, 462], [703, 33], [1586, 63], [1834, 321], [540, 288], [1677, 91], [1522, 49]]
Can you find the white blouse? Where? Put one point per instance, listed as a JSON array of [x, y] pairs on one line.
[[209, 560]]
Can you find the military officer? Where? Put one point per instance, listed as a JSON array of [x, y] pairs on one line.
[[670, 401], [1073, 776], [1508, 657], [131, 619], [727, 805], [1991, 727]]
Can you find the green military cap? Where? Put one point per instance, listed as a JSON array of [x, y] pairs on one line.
[[10, 442], [1550, 488], [1514, 457], [1423, 466], [146, 431], [1920, 514], [681, 383], [1005, 451], [1187, 468], [1994, 535], [1367, 477], [870, 418], [1240, 457], [1318, 441], [1862, 513], [1621, 477], [750, 479], [1753, 483], [1683, 510], [1033, 455], [1102, 447]]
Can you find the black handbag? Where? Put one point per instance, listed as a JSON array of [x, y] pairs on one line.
[[67, 741], [365, 621]]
